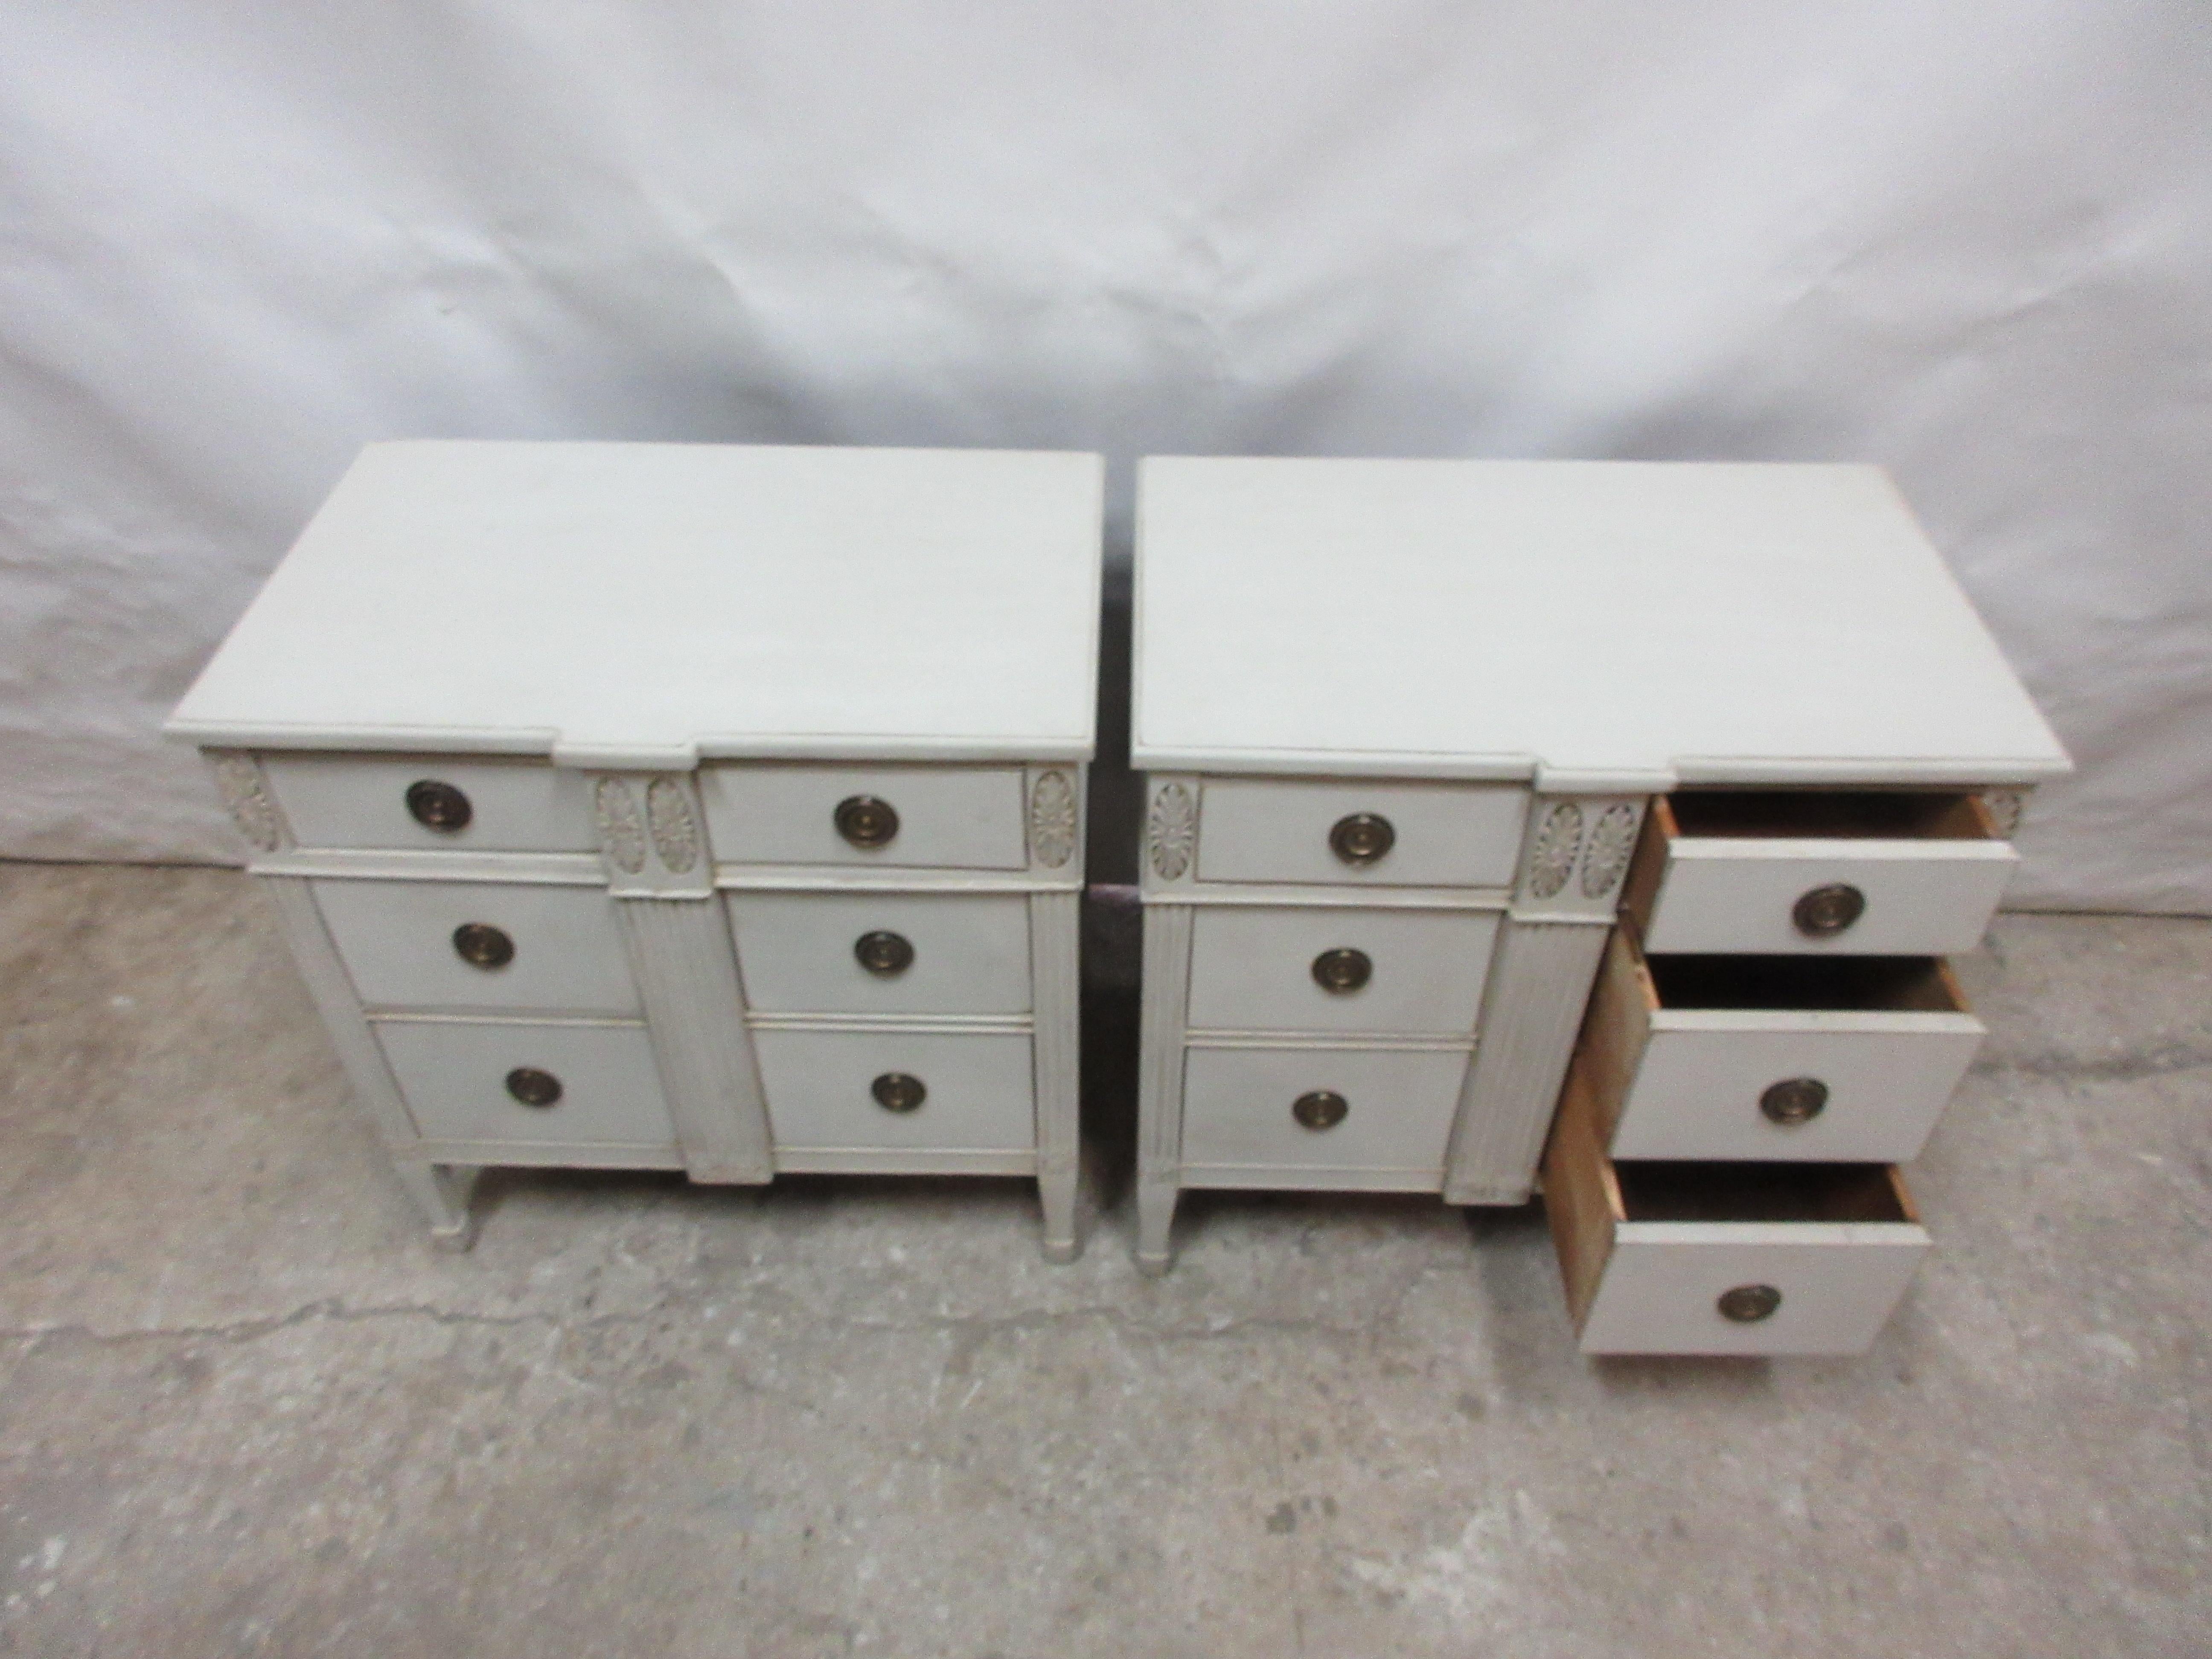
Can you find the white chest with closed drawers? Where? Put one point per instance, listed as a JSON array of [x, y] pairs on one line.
[[1612, 818], [682, 806]]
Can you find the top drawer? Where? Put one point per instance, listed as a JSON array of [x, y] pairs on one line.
[[1392, 834], [431, 802], [947, 817], [1863, 873]]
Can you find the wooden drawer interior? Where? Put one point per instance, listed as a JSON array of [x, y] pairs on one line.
[[1827, 815]]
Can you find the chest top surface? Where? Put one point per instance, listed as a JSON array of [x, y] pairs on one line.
[[647, 605], [1593, 625]]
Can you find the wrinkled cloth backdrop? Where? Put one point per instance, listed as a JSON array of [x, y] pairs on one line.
[[1966, 240]]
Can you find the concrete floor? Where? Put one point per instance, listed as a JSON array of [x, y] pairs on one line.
[[244, 1408]]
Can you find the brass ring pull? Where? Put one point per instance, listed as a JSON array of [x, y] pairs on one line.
[[1323, 1108], [895, 1091], [885, 955], [1794, 1100], [1361, 838], [1827, 911], [867, 822], [533, 1087], [439, 806], [1747, 1304], [482, 946], [1343, 971]]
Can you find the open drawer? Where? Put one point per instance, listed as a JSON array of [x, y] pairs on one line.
[[1723, 1258], [1869, 872], [1844, 1060]]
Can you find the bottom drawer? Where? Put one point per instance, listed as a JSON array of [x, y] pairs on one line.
[[852, 1091], [1321, 1119], [1723, 1258], [520, 1081]]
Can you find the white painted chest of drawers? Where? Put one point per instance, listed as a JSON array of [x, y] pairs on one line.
[[1654, 794], [684, 806]]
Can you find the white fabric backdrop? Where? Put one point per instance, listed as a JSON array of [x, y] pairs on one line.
[[1966, 238]]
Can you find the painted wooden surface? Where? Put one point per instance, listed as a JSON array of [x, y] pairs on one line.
[[1167, 932], [1534, 1005], [981, 1090], [971, 955], [1236, 1117], [454, 1074], [1276, 830], [397, 939], [1253, 969], [679, 953], [647, 604], [1595, 625], [1923, 898], [361, 801], [1684, 1081], [1054, 934], [950, 818]]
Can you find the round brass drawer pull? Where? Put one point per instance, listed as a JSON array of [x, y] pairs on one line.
[[1322, 1109], [885, 955], [1827, 911], [440, 806], [482, 946], [533, 1087], [867, 822], [1794, 1100], [1361, 838], [895, 1091], [1343, 971], [1747, 1304]]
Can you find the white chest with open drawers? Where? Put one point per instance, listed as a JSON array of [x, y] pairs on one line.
[[1649, 798], [680, 806]]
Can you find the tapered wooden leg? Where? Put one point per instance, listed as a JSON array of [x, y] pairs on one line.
[[1156, 1208], [1159, 1081], [441, 1192], [1055, 990]]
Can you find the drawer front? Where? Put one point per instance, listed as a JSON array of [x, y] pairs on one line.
[[802, 952], [945, 817], [1662, 1288], [398, 939], [978, 1095], [455, 1076], [348, 801], [1259, 830], [1903, 896], [1681, 1069], [1263, 969], [1240, 1125], [1697, 1093]]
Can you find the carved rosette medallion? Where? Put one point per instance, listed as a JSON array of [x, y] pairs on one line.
[[1173, 831], [1052, 820], [250, 809], [1552, 859], [1605, 858], [675, 832], [2006, 806], [621, 830]]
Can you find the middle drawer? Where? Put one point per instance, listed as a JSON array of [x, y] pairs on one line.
[[883, 953], [1787, 1058], [1331, 968], [479, 945]]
